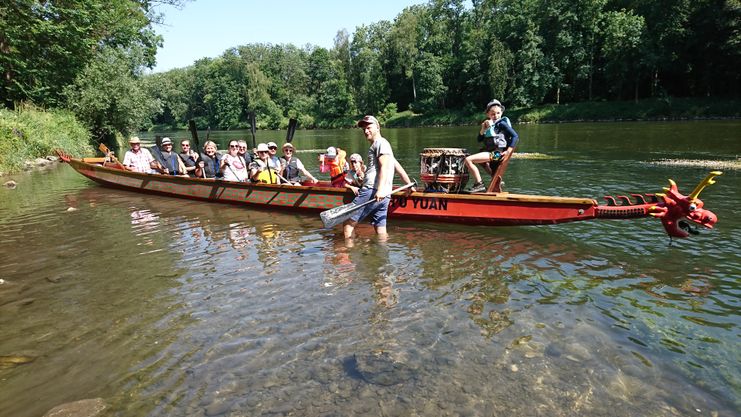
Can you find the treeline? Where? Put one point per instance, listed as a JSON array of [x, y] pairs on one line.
[[442, 56]]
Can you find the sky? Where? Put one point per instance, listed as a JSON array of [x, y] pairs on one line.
[[206, 28]]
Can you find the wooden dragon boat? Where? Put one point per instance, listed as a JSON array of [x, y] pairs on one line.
[[676, 211]]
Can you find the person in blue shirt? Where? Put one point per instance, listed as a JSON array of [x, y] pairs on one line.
[[499, 140]]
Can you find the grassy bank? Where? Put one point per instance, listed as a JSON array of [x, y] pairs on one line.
[[29, 133], [652, 109]]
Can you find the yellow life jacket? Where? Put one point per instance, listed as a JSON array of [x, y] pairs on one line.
[[267, 176]]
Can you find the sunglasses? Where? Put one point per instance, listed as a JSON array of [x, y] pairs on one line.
[[233, 146], [273, 147], [287, 150], [242, 147], [262, 151]]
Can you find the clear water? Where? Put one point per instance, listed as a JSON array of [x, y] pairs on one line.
[[171, 307]]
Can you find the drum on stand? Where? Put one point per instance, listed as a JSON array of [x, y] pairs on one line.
[[443, 169]]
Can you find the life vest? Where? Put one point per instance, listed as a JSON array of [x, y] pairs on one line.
[[267, 176], [211, 167], [337, 167], [292, 171], [172, 163]]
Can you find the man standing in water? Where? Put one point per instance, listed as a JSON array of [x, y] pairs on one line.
[[377, 183]]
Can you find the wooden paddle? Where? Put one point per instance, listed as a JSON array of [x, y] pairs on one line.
[[110, 154], [194, 134], [253, 128], [338, 215], [291, 130], [496, 178]]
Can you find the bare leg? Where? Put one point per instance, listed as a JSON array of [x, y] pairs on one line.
[[381, 232], [348, 228], [472, 160]]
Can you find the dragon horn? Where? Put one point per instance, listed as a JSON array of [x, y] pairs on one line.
[[709, 180]]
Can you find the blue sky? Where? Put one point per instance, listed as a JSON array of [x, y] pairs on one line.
[[206, 28]]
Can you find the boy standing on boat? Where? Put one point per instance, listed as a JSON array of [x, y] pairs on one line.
[[377, 182]]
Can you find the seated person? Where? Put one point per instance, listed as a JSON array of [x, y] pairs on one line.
[[246, 156], [210, 162], [499, 142], [274, 160], [260, 170], [138, 159], [356, 174], [334, 162], [189, 157], [292, 166], [171, 163], [232, 166]]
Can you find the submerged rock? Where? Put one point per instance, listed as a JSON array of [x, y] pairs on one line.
[[379, 368], [9, 361], [10, 184], [84, 408]]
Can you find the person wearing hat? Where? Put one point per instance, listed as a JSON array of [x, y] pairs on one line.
[[354, 177], [292, 166], [378, 180], [260, 170], [138, 159], [171, 163], [499, 141], [334, 162], [274, 160]]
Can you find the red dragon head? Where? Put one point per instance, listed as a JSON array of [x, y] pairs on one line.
[[677, 208]]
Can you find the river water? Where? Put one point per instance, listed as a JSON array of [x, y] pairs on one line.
[[162, 306]]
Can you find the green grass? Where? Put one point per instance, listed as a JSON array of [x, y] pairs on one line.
[[29, 133]]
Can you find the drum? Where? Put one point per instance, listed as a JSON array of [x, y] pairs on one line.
[[443, 169]]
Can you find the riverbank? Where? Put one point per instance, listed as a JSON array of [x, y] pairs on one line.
[[28, 136], [594, 111]]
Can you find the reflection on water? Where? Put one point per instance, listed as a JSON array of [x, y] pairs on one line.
[[170, 307]]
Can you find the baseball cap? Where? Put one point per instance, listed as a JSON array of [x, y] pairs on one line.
[[272, 144], [331, 152], [356, 157], [368, 120], [261, 147], [166, 141], [494, 102]]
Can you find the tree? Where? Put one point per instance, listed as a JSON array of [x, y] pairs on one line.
[[46, 43], [109, 97]]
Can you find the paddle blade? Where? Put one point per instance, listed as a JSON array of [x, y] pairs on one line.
[[338, 215], [291, 130]]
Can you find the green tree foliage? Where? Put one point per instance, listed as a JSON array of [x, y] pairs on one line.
[[438, 56], [109, 97], [45, 44]]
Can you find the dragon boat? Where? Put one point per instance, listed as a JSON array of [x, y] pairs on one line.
[[441, 201]]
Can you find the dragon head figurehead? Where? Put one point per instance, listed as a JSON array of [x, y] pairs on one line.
[[676, 208]]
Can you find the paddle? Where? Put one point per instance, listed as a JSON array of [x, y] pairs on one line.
[[110, 154], [194, 134], [338, 215], [253, 128], [291, 130]]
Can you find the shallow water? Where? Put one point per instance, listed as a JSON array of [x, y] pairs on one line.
[[171, 307]]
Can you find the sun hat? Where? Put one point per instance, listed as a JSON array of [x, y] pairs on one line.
[[287, 145], [135, 139], [494, 102], [271, 144], [331, 152], [356, 157], [166, 141], [368, 120], [261, 147]]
